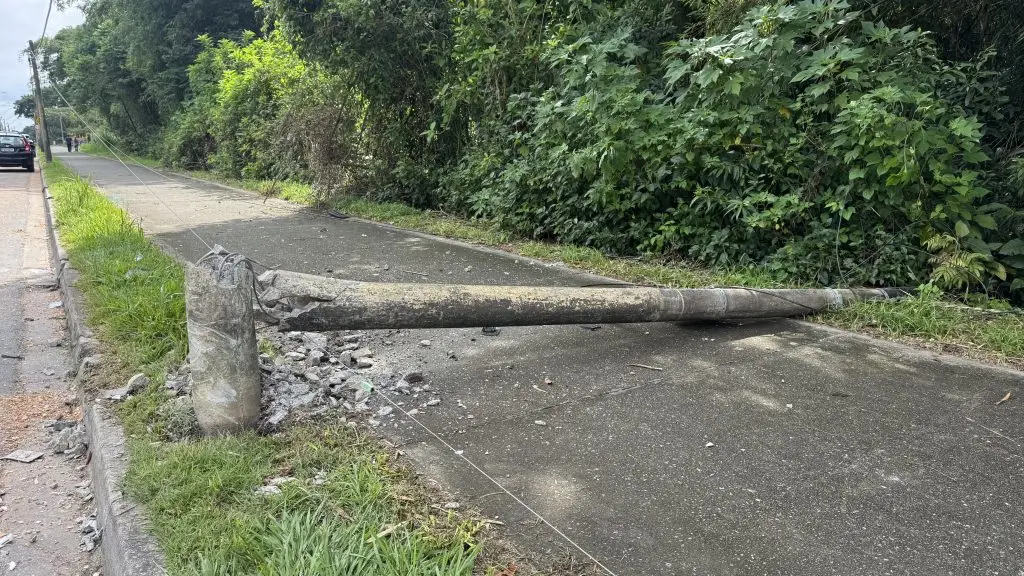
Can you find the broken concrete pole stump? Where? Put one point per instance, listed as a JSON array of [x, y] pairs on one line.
[[223, 357]]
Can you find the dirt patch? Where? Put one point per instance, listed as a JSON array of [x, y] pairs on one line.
[[23, 413]]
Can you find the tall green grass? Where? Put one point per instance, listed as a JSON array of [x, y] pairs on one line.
[[328, 521], [935, 321]]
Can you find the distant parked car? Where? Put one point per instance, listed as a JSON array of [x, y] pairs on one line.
[[17, 150]]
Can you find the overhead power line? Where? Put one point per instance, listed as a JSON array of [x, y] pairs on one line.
[[46, 22]]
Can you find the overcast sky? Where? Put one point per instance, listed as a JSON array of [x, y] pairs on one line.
[[22, 20]]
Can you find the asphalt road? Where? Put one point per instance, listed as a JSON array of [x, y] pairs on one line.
[[776, 447]]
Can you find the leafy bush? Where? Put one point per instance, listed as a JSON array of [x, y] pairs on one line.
[[394, 54], [828, 147], [818, 135], [320, 134], [238, 89]]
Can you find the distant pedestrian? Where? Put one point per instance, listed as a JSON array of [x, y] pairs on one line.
[[67, 141], [78, 142]]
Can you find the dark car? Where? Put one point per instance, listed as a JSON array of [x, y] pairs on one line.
[[16, 150]]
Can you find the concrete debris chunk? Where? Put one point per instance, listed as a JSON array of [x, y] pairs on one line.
[[90, 533], [315, 357], [277, 417], [315, 340], [362, 353], [137, 383], [58, 425], [304, 400], [23, 456], [117, 394]]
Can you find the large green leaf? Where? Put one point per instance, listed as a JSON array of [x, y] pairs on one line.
[[962, 229], [1014, 247], [986, 221]]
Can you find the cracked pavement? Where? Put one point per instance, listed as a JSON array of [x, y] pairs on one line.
[[772, 447]]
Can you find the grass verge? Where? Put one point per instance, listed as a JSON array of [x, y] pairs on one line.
[[348, 508], [930, 320]]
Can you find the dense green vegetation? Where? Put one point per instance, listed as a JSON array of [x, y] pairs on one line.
[[872, 143]]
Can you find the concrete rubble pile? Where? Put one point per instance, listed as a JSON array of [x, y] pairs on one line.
[[314, 373]]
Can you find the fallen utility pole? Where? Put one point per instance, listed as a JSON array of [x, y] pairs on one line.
[[314, 303], [226, 378]]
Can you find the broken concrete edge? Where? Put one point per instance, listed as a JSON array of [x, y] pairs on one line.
[[901, 350], [128, 548]]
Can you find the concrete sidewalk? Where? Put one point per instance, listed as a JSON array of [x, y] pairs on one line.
[[776, 447]]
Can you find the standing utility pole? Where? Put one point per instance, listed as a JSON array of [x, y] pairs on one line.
[[40, 111]]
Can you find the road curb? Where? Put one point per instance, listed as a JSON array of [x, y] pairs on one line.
[[128, 548]]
